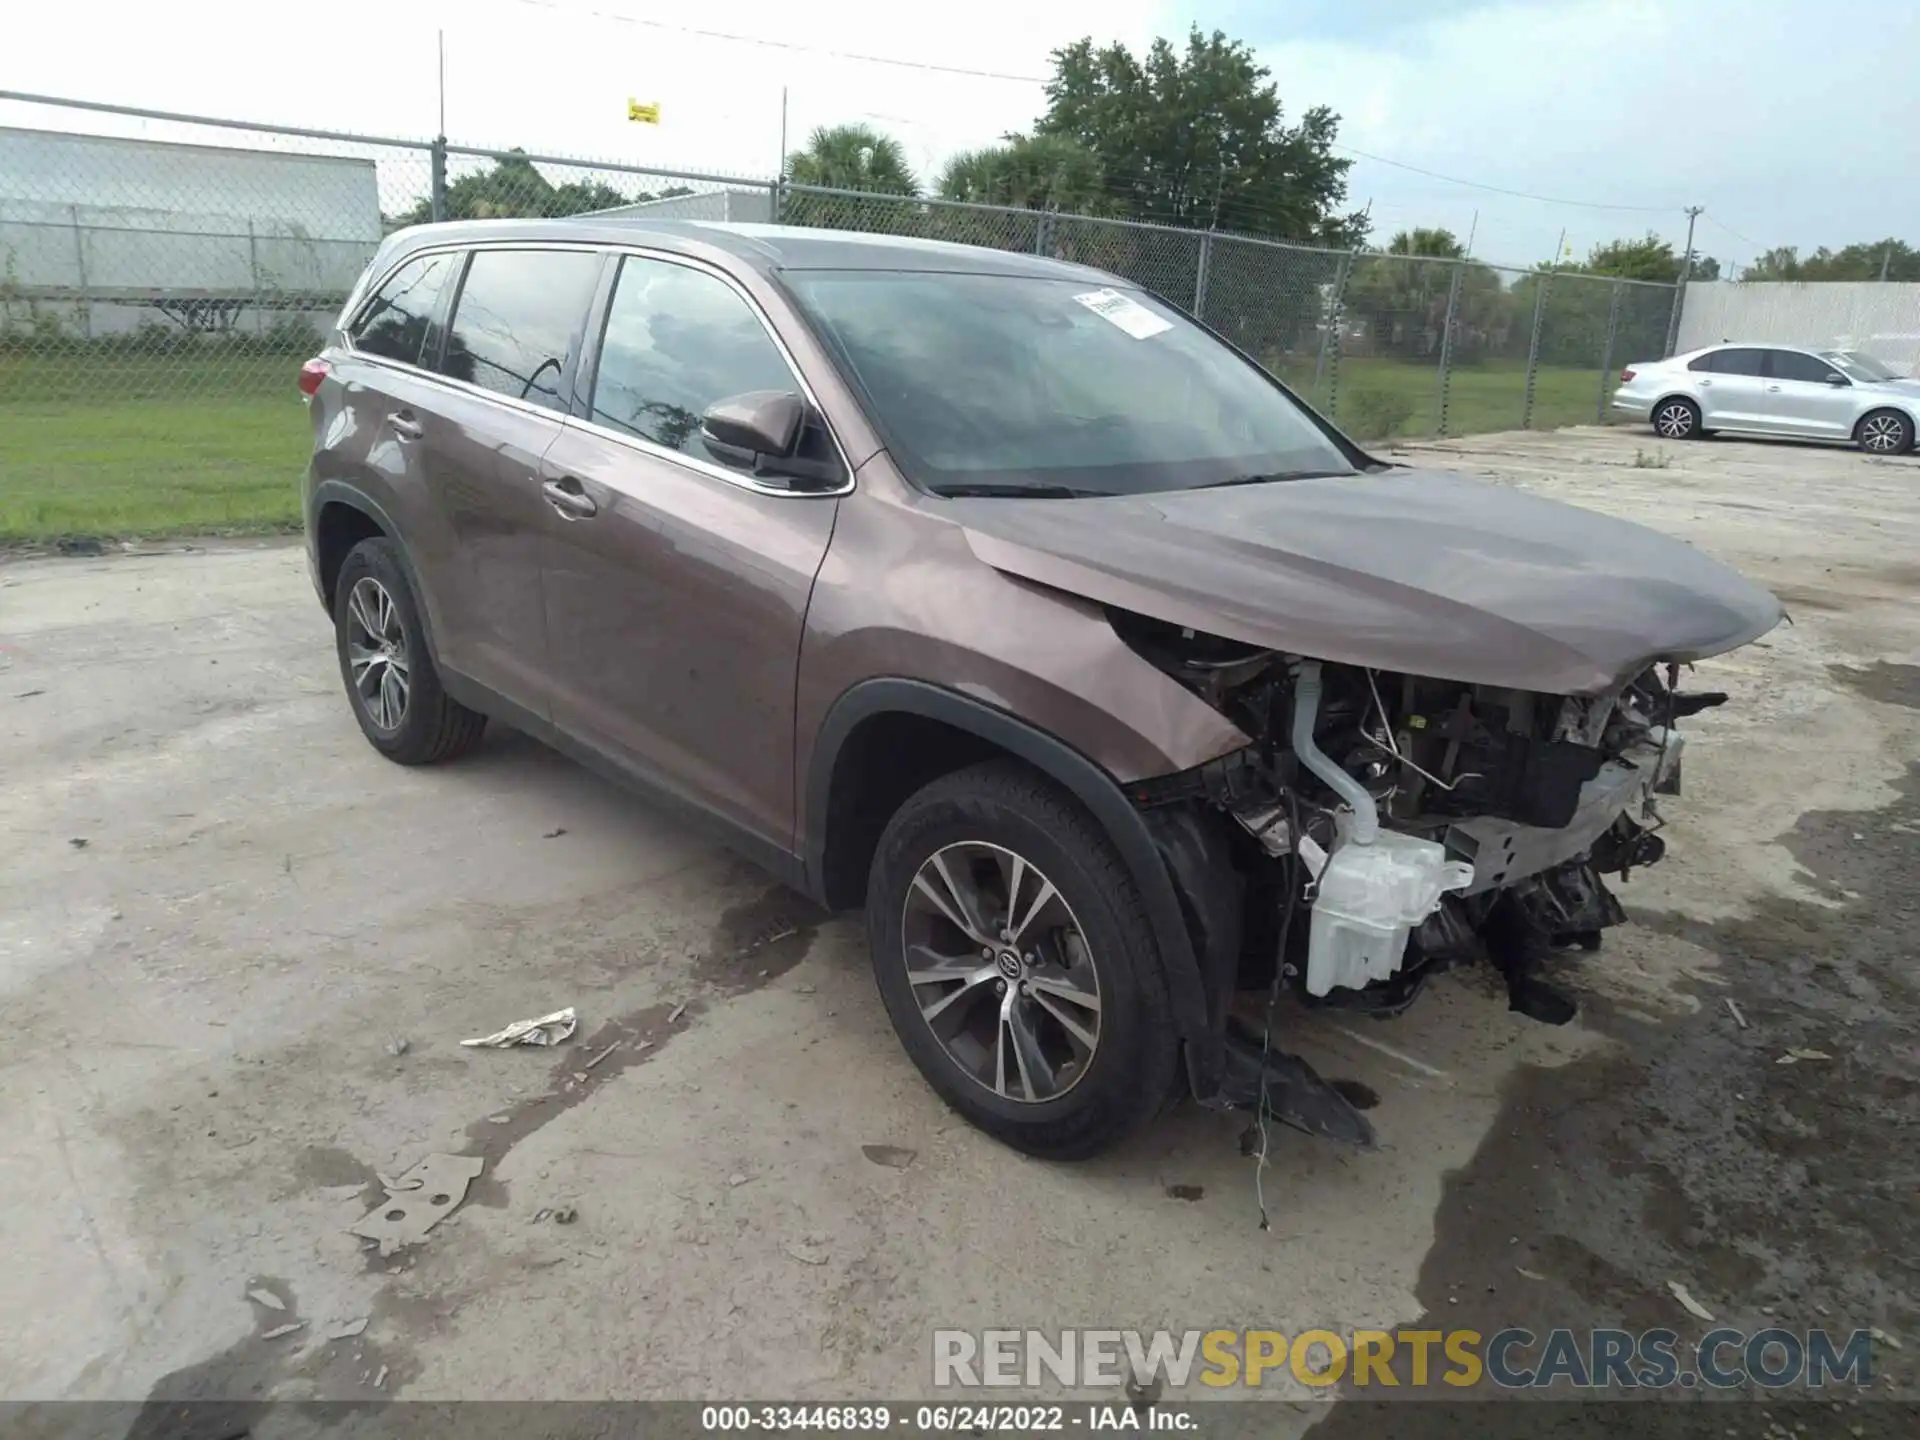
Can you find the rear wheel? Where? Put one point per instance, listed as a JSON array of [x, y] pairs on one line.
[[1884, 432], [1677, 418], [1017, 964], [390, 677]]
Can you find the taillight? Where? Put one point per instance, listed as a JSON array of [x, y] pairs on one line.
[[1626, 374], [311, 374]]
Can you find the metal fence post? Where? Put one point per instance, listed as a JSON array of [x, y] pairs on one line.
[[1043, 233], [1200, 273], [1533, 347], [1329, 327], [1446, 344], [1606, 355], [80, 263], [437, 202], [1673, 320]]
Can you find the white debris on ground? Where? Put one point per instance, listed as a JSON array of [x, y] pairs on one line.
[[547, 1030]]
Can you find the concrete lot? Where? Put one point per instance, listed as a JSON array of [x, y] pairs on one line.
[[224, 914]]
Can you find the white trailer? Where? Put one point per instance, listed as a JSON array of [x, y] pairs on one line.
[[103, 232]]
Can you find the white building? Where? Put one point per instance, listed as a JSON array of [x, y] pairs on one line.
[[736, 204]]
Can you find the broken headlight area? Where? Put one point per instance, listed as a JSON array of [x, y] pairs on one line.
[[1413, 823]]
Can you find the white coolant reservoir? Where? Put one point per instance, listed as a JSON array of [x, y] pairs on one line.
[[1369, 899]]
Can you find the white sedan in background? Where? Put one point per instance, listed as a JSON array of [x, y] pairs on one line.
[[1774, 390]]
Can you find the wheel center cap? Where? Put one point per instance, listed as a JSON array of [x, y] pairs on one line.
[[1009, 963]]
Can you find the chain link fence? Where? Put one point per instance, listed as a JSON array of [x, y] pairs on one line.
[[153, 257]]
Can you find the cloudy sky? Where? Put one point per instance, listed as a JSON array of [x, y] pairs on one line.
[[1748, 107]]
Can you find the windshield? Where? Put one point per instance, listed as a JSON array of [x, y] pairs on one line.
[[1856, 366], [989, 384]]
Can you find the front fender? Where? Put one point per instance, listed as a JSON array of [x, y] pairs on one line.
[[1190, 994]]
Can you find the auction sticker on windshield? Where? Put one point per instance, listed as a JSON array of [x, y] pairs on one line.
[[1122, 310]]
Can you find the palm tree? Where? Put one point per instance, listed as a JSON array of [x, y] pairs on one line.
[[1034, 172], [853, 157]]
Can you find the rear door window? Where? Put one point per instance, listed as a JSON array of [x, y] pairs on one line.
[[395, 322], [677, 340], [517, 324], [1738, 362], [1796, 365]]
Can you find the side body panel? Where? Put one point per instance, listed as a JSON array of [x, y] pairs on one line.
[[1797, 405], [487, 523], [1730, 402], [674, 623]]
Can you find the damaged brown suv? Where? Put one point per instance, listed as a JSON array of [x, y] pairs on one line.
[[996, 595]]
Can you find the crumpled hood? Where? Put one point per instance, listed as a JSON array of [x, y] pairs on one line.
[[1414, 571]]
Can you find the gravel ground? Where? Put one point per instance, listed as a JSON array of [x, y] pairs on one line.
[[238, 950]]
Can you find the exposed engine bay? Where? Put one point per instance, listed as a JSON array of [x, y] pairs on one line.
[[1415, 823]]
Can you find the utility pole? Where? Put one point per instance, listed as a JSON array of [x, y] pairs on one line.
[[1886, 258], [1686, 264], [1686, 273]]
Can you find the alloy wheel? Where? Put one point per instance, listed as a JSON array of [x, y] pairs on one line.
[[377, 653], [1674, 421], [1881, 433], [1001, 971]]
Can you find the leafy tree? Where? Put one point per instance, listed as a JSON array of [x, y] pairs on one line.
[[1868, 261], [1649, 258], [1780, 263], [1439, 244], [853, 157], [514, 189], [1400, 296], [1034, 172], [1198, 139]]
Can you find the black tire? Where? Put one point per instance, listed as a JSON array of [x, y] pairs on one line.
[[430, 726], [1132, 1072], [1677, 418], [1884, 432]]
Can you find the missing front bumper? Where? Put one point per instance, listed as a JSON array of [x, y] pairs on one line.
[[1293, 1091]]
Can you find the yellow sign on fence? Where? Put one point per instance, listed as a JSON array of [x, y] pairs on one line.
[[645, 114]]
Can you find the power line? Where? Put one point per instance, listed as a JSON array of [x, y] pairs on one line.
[[788, 45], [1499, 189], [1709, 217], [796, 47]]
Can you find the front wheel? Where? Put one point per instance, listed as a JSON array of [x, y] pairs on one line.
[[1016, 961], [1677, 419], [1884, 432]]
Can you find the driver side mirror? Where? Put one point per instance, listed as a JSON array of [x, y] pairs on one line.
[[760, 422], [766, 433], [1839, 382]]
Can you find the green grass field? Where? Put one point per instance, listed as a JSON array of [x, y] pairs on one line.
[[122, 447], [152, 447], [1386, 399]]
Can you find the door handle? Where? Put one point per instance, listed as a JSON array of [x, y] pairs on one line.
[[1706, 384], [569, 499], [1773, 389], [405, 426]]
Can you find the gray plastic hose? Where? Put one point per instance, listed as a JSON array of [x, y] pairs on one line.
[[1306, 709]]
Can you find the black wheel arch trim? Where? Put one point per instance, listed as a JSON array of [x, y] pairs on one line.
[[339, 492], [1124, 825]]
